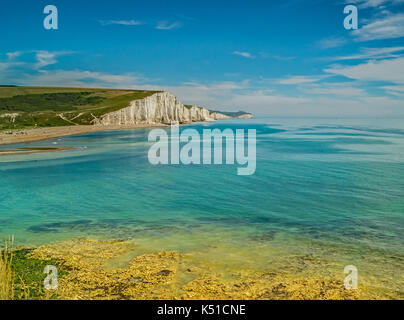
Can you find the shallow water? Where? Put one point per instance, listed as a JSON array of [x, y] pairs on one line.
[[328, 190]]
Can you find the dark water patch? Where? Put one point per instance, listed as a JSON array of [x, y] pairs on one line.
[[375, 130], [222, 220], [56, 226], [116, 228], [361, 141], [260, 128], [264, 237], [333, 133], [324, 146], [265, 219]]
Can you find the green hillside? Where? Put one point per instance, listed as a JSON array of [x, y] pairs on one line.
[[29, 107]]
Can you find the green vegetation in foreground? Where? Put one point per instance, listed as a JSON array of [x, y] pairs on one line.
[[29, 277], [30, 107]]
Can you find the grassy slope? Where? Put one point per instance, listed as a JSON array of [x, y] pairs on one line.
[[52, 106]]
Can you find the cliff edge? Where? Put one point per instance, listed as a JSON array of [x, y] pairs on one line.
[[161, 107]]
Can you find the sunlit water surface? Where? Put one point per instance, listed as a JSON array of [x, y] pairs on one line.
[[332, 189]]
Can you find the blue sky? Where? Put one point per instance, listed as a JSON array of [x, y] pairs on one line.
[[268, 57]]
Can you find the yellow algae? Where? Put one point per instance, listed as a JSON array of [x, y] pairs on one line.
[[269, 287], [171, 275]]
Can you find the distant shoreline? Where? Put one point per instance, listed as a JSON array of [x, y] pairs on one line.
[[33, 150], [38, 134]]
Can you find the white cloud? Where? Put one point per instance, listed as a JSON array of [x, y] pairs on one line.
[[398, 94], [121, 22], [266, 55], [11, 61], [373, 3], [394, 88], [210, 94], [244, 54], [367, 3], [329, 99], [13, 55], [331, 42], [293, 80], [388, 27], [80, 78], [165, 25], [343, 91], [45, 58], [373, 53], [281, 105], [6, 66], [391, 70]]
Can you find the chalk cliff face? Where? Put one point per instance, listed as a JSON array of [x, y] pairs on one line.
[[161, 107]]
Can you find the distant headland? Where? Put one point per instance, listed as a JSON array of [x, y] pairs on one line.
[[35, 113]]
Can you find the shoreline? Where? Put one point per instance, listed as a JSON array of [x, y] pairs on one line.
[[37, 134], [33, 150], [106, 270], [90, 272]]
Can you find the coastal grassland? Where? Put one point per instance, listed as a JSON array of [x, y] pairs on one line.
[[31, 107], [21, 275], [6, 274], [29, 275]]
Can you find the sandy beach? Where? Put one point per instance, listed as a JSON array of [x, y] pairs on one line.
[[36, 134], [33, 150]]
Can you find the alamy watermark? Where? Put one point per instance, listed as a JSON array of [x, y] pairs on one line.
[[51, 280], [206, 148], [351, 20], [351, 280], [51, 20]]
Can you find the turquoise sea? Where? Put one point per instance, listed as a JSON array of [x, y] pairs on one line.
[[330, 189]]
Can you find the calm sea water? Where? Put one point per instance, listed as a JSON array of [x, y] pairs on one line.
[[331, 189]]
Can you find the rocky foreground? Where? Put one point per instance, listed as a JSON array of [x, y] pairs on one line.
[[91, 269]]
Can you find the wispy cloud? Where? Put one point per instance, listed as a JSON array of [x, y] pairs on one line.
[[244, 54], [166, 25], [338, 89], [45, 58], [293, 80], [80, 78], [42, 58], [121, 22], [332, 42], [10, 63], [395, 90], [373, 3], [388, 27], [266, 55], [13, 55], [390, 70], [372, 53], [312, 97]]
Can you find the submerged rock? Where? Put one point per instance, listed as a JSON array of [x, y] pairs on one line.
[[167, 275]]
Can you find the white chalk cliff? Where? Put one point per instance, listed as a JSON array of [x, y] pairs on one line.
[[161, 107]]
